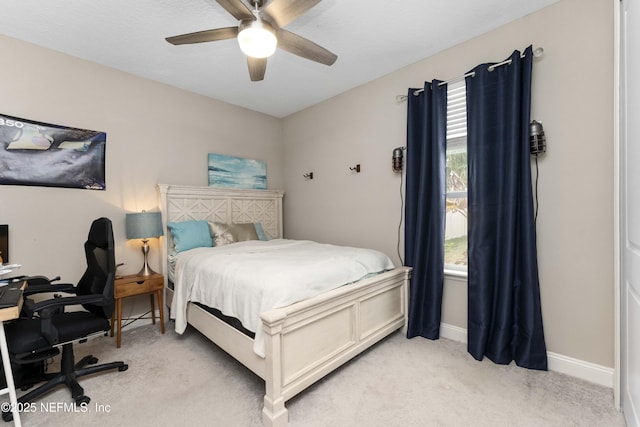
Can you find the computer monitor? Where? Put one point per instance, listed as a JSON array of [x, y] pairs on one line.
[[4, 243]]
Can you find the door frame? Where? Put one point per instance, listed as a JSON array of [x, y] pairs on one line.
[[617, 27]]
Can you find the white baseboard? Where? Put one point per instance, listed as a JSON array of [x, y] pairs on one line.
[[579, 368], [454, 333], [556, 362]]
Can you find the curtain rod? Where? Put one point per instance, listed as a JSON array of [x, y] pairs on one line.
[[537, 53]]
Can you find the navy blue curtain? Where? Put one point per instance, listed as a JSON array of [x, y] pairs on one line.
[[504, 314], [425, 206]]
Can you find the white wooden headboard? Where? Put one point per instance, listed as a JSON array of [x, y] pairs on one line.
[[229, 206]]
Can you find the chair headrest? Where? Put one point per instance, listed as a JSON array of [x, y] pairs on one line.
[[101, 233]]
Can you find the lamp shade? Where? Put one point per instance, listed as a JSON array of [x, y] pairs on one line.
[[143, 225]]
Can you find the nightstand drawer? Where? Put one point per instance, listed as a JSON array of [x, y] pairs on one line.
[[128, 285]]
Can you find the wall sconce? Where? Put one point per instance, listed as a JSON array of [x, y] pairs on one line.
[[355, 168], [308, 175], [144, 225], [537, 139], [398, 159]]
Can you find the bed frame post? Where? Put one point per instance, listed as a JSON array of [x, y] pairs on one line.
[[162, 189], [405, 301], [274, 413]]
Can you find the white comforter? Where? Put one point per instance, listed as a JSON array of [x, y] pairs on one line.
[[245, 279]]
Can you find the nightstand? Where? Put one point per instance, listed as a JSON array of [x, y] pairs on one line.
[[131, 285]]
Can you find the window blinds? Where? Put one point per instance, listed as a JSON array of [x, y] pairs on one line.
[[456, 110]]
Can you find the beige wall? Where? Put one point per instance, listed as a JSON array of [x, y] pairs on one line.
[[155, 133], [572, 95]]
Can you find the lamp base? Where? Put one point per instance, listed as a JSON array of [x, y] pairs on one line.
[[146, 270]]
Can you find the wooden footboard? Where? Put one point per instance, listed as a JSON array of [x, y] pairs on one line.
[[307, 340]]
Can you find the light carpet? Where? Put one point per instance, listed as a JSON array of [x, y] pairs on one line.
[[186, 380]]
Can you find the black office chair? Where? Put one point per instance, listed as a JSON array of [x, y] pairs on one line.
[[44, 326]]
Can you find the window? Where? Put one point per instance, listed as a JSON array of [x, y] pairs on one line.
[[455, 237]]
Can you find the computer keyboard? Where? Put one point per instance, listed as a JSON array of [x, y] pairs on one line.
[[10, 294]]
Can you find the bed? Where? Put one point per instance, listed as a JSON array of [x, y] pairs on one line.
[[303, 341]]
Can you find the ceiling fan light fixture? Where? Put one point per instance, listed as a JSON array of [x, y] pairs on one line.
[[257, 39]]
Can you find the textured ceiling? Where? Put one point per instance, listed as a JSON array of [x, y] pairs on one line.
[[371, 38]]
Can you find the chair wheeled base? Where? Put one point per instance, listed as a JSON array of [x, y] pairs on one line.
[[68, 375]]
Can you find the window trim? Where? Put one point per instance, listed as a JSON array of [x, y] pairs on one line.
[[461, 275]]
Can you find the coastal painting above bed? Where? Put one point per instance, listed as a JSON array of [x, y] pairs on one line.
[[236, 172]]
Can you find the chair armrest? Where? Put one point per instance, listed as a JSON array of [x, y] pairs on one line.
[[47, 307], [40, 288], [42, 284]]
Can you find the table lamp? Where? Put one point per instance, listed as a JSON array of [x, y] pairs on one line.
[[144, 225]]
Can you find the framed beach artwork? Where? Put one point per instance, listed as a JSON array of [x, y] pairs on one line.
[[48, 155], [236, 172]]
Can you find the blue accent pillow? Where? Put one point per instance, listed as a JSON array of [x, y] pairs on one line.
[[190, 234], [260, 231]]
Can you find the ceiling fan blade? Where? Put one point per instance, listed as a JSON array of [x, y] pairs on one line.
[[204, 36], [300, 46], [257, 68], [238, 9], [281, 12]]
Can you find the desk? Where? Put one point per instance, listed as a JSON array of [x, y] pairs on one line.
[[9, 313]]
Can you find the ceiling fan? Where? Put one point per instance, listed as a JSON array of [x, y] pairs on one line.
[[260, 32]]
